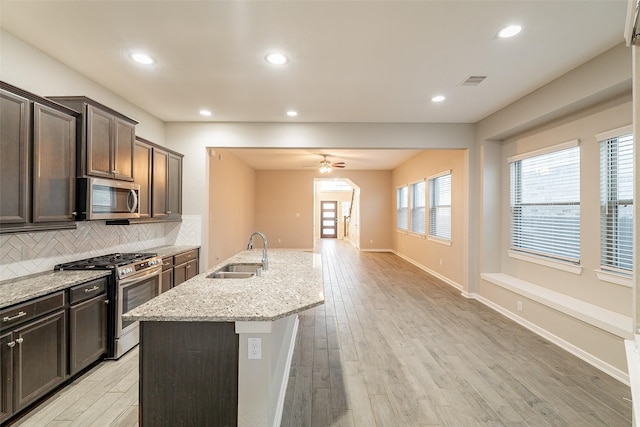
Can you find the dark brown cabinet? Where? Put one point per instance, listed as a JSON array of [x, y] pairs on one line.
[[87, 324], [37, 165], [6, 376], [142, 156], [167, 273], [167, 184], [33, 359], [179, 268], [106, 139]]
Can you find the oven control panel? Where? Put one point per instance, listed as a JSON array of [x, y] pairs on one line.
[[137, 267]]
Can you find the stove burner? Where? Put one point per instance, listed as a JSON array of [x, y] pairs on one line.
[[104, 262]]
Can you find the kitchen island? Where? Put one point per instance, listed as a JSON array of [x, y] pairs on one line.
[[218, 351]]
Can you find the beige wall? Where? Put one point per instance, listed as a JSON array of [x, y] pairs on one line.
[[446, 261], [232, 205], [282, 195]]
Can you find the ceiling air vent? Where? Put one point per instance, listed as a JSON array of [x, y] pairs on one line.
[[473, 80]]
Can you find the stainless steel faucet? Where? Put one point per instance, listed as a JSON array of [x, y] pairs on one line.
[[265, 258]]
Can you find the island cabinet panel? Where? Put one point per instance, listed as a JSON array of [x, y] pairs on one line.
[[188, 374]]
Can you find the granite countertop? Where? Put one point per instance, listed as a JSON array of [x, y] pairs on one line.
[[21, 289], [292, 284], [164, 251]]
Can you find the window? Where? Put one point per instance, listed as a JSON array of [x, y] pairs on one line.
[[545, 202], [440, 206], [418, 203], [616, 201], [402, 203]]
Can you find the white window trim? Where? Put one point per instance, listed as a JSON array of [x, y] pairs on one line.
[[439, 240], [546, 150], [547, 262], [614, 133], [426, 207], [430, 237], [615, 278], [403, 230]]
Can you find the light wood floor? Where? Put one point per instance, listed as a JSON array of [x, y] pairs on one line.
[[393, 346]]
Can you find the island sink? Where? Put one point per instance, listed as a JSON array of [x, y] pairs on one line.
[[238, 271]]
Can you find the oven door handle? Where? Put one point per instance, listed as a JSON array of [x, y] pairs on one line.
[[146, 273]]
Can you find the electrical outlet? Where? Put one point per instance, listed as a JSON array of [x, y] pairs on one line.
[[519, 304], [255, 348], [440, 261], [370, 240]]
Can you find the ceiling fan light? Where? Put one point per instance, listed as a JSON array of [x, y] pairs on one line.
[[325, 168]]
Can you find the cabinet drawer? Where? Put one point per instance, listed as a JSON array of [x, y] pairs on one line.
[[87, 290], [167, 263], [31, 309], [186, 256]]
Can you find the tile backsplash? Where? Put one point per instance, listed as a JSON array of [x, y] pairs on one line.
[[27, 253]]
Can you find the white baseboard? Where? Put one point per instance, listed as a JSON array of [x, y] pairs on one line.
[[277, 419], [376, 250], [610, 370]]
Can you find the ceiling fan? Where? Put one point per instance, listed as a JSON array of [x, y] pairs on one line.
[[326, 166]]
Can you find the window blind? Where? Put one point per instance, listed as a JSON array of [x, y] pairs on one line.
[[402, 203], [616, 203], [418, 204], [440, 206], [545, 204]]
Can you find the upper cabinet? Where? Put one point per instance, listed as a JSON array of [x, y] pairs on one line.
[[107, 139], [158, 171], [37, 162], [167, 184]]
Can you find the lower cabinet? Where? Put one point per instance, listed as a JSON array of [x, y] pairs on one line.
[[46, 340], [185, 266], [33, 355], [6, 376], [87, 324], [167, 273]]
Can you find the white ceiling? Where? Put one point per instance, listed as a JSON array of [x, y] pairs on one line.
[[350, 61]]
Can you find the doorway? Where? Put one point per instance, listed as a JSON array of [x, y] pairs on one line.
[[329, 219]]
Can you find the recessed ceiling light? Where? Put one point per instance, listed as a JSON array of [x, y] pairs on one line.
[[142, 58], [438, 98], [276, 58], [205, 112], [509, 31], [292, 113]]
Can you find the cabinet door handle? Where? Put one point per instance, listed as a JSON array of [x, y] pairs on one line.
[[17, 316], [166, 263], [11, 344], [95, 288], [106, 301], [114, 171], [19, 340], [74, 213], [168, 212]]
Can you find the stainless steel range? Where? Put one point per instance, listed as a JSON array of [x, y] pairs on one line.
[[136, 278]]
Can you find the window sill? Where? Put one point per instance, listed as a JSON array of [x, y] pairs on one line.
[[440, 241], [558, 265], [417, 235], [615, 278]]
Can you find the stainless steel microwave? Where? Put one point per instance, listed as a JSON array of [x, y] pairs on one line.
[[107, 199]]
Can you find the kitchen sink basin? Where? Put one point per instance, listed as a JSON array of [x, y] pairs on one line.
[[237, 271]]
